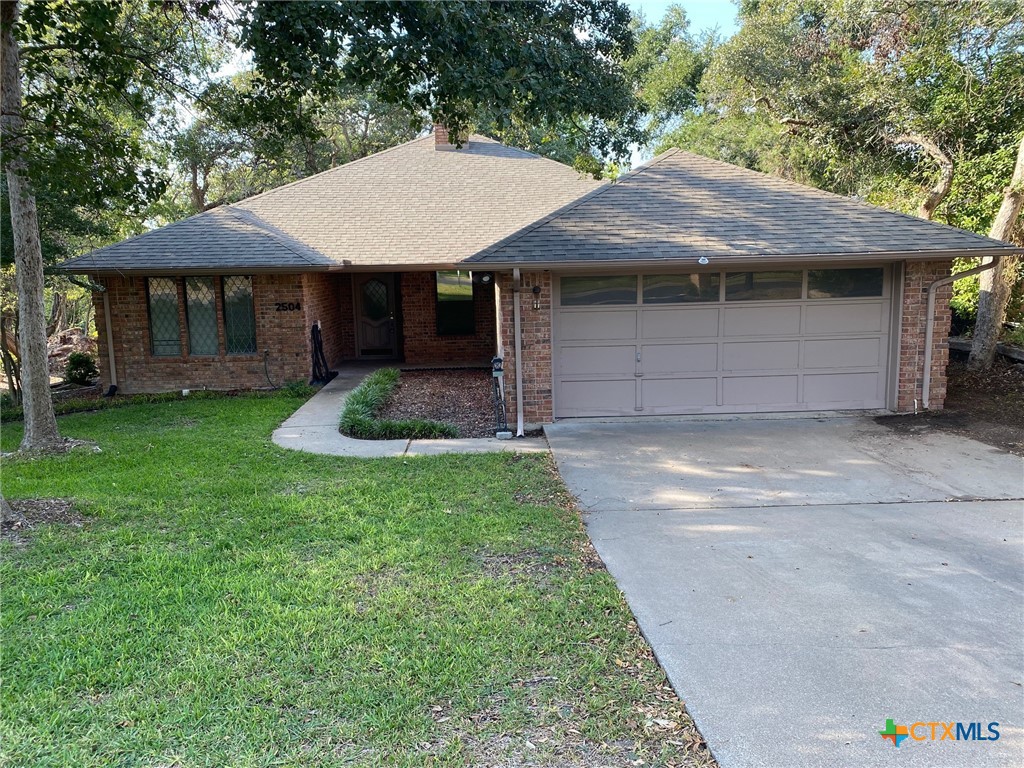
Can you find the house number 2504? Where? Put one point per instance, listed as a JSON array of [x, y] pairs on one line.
[[287, 306]]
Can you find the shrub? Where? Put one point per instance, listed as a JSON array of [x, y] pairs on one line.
[[299, 388], [81, 368], [359, 416]]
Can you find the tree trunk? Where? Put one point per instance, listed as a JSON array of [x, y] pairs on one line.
[[40, 423], [938, 192], [996, 284]]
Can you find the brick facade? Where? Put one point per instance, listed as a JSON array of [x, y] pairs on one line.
[[917, 277], [536, 341], [420, 343], [329, 300]]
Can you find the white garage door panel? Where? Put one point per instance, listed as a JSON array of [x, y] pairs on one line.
[[762, 321], [830, 317], [843, 353], [760, 390], [679, 358], [722, 356], [590, 360], [598, 398], [666, 395], [760, 355], [597, 326], [846, 388], [689, 323]]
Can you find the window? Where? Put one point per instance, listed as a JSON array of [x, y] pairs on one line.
[[201, 316], [164, 327], [844, 283], [594, 291], [677, 289], [763, 286], [239, 316], [456, 314]]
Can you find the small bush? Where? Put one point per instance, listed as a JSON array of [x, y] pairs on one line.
[[359, 417], [81, 368], [299, 388]]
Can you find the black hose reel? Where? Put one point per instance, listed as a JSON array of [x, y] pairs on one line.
[[321, 373]]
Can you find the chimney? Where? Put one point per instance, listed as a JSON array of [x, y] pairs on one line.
[[442, 142]]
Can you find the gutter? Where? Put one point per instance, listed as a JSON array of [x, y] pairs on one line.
[[516, 290], [929, 332]]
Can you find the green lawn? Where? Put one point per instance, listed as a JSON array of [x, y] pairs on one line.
[[230, 603]]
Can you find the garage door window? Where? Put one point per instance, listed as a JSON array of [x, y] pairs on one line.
[[594, 291], [763, 286], [844, 283], [680, 289]]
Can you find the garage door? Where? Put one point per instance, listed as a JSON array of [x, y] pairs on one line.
[[729, 342]]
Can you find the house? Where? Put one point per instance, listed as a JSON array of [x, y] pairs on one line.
[[688, 286]]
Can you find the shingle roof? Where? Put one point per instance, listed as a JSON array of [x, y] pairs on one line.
[[684, 206], [409, 205]]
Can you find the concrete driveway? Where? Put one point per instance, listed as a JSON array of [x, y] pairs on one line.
[[804, 580]]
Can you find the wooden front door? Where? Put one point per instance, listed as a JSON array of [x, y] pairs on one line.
[[376, 335]]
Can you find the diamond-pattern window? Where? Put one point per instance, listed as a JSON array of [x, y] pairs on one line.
[[239, 316], [201, 311], [375, 299], [164, 328]]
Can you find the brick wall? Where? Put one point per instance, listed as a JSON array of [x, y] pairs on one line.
[[536, 346], [285, 335], [420, 343], [328, 298], [917, 277]]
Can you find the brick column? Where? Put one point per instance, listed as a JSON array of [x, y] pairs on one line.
[[917, 276], [536, 336]]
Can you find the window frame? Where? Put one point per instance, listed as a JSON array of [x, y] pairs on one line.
[[149, 317], [214, 314], [224, 316], [470, 319]]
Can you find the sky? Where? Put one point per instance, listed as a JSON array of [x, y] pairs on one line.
[[703, 14]]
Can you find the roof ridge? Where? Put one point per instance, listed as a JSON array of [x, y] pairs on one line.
[[845, 198], [336, 168], [509, 239]]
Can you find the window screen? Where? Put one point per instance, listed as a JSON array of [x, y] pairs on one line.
[[201, 312], [164, 327], [844, 283], [455, 310], [595, 291], [239, 316], [677, 289]]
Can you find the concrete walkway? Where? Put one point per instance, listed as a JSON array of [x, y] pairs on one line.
[[313, 428], [802, 581]]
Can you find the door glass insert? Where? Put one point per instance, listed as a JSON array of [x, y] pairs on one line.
[[844, 283], [679, 289], [763, 286], [598, 290], [375, 299]]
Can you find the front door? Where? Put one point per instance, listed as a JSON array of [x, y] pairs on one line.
[[375, 316]]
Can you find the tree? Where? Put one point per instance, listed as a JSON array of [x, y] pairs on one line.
[[540, 62], [81, 86], [995, 284]]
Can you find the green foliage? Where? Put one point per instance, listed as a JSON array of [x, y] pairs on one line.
[[299, 388], [359, 416], [81, 368], [541, 62]]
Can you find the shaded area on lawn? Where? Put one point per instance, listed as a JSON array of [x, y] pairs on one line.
[[229, 602], [987, 406]]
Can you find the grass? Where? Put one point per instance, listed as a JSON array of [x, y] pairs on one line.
[[228, 602], [359, 417]]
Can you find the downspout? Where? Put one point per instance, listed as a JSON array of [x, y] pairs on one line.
[[926, 380], [110, 342], [519, 351]]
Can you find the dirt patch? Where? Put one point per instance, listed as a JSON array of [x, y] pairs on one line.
[[31, 513], [460, 397], [987, 406]]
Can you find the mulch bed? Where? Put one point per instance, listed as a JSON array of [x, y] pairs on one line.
[[987, 406], [461, 397], [35, 512]]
